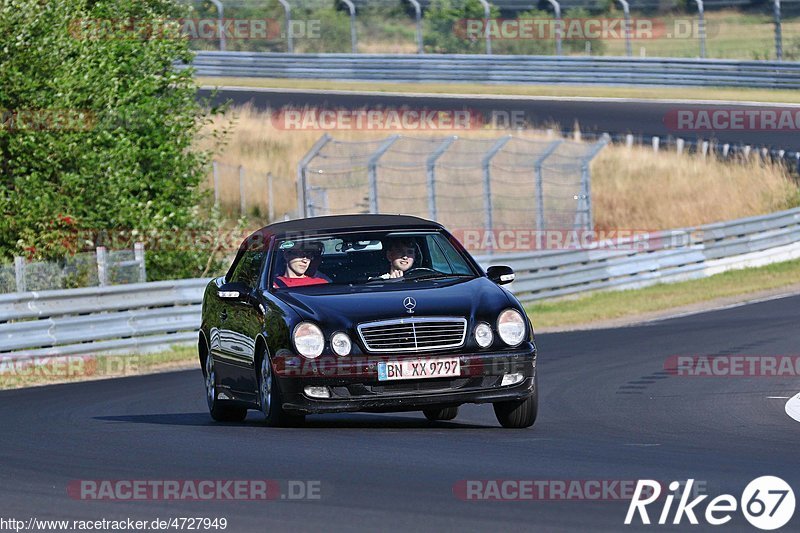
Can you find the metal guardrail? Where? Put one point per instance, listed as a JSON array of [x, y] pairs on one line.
[[118, 318], [703, 251], [155, 315], [502, 69]]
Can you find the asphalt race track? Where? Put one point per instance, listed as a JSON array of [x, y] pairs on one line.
[[608, 411], [640, 117]]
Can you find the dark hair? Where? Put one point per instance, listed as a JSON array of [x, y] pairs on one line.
[[398, 242]]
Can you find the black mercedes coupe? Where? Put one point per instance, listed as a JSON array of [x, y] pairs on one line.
[[374, 313]]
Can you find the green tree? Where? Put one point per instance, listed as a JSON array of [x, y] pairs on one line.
[[446, 27], [98, 131]]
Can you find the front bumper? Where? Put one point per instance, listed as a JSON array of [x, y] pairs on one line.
[[354, 386]]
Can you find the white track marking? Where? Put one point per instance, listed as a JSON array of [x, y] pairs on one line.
[[793, 407]]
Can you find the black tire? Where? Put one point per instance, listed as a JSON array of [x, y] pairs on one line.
[[270, 399], [220, 411], [445, 413], [518, 414]]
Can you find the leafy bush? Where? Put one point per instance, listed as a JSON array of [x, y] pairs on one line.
[[98, 129], [444, 30]]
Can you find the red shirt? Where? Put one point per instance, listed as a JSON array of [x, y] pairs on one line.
[[300, 282]]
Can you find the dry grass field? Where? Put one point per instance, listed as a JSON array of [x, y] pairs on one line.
[[631, 187]]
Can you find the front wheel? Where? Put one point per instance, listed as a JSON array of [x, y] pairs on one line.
[[219, 411], [437, 414], [269, 395], [518, 413]]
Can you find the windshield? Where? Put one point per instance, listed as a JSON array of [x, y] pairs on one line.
[[366, 258]]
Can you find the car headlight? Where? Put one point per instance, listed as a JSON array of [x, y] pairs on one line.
[[308, 340], [483, 335], [511, 327], [340, 342]]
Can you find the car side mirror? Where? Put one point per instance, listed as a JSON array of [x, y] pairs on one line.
[[233, 291], [500, 274]]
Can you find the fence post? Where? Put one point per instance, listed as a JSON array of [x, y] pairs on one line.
[[353, 38], [679, 143], [287, 9], [487, 185], [487, 11], [701, 27], [215, 173], [418, 14], [557, 9], [626, 9], [585, 202], [431, 172], [138, 255], [372, 172], [102, 266], [242, 199], [271, 212], [301, 174], [221, 13], [778, 34], [656, 142], [19, 273], [629, 140], [537, 169]]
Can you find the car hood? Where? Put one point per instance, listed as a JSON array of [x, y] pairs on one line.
[[473, 299]]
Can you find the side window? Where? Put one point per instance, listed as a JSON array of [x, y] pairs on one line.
[[438, 259], [453, 262], [248, 270]]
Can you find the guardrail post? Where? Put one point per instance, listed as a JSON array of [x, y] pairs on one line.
[[302, 208], [19, 273], [537, 170], [626, 9], [138, 255], [418, 15], [430, 167], [242, 199], [487, 186], [270, 203], [287, 9], [629, 140], [559, 28], [102, 266], [701, 27], [656, 143], [487, 12], [725, 149], [215, 174], [372, 172], [221, 13], [679, 143], [778, 34], [353, 38]]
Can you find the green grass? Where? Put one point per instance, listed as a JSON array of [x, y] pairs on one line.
[[621, 304], [674, 93], [66, 369]]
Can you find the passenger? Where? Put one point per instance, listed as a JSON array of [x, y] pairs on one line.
[[401, 254], [299, 259]]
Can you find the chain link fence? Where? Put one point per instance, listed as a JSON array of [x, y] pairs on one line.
[[87, 269], [733, 29], [485, 184]]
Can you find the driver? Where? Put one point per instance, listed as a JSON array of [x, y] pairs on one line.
[[299, 259], [401, 254]]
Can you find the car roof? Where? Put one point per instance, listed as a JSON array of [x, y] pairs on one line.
[[348, 222]]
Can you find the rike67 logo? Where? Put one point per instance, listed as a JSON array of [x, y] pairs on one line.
[[767, 503]]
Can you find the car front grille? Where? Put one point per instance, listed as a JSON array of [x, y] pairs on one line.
[[416, 334]]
